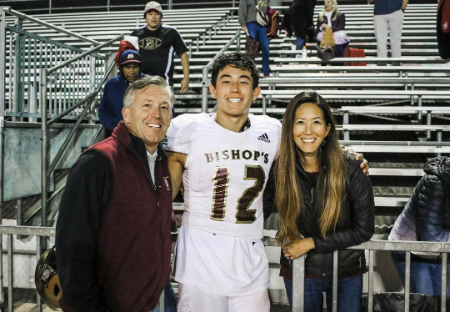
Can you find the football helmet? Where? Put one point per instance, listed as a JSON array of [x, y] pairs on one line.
[[47, 280]]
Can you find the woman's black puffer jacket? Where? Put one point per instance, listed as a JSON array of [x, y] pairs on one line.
[[356, 225], [426, 216]]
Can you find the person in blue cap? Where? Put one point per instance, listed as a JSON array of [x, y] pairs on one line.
[[110, 108]]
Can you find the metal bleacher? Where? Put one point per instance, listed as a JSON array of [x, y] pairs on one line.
[[395, 111], [418, 79]]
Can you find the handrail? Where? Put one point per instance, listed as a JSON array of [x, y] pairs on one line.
[[372, 245], [76, 58], [77, 124], [394, 143], [45, 24], [405, 59], [358, 80], [86, 99], [45, 168], [27, 230], [205, 69]]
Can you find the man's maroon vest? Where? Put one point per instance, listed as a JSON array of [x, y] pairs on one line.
[[134, 244]]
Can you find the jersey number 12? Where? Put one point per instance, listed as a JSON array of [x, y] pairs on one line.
[[243, 213]]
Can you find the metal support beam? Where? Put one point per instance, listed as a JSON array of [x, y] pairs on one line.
[[2, 144], [19, 212], [205, 89], [9, 243], [370, 290], [2, 61], [407, 279], [45, 156], [38, 256], [298, 279], [18, 86], [335, 280], [444, 281]]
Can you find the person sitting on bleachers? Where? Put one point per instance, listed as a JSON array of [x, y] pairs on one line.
[[330, 17], [110, 108], [426, 217]]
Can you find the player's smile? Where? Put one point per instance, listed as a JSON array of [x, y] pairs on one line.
[[234, 100], [234, 91]]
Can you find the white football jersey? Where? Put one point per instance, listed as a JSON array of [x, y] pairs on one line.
[[225, 172]]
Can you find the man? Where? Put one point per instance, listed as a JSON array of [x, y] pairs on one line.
[[110, 108], [388, 16], [157, 43], [113, 230]]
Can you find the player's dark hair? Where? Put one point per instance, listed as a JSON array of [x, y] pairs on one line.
[[237, 60]]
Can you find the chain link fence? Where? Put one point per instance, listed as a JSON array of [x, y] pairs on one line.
[[67, 6]]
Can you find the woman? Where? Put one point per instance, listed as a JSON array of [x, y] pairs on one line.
[[330, 17], [426, 217], [247, 20], [325, 203]]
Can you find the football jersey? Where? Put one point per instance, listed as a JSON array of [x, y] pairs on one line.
[[225, 172]]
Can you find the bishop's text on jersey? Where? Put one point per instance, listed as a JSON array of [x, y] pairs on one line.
[[237, 155]]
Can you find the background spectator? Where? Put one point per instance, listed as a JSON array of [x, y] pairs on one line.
[[111, 104], [388, 16], [299, 18], [247, 19], [330, 17], [157, 43], [426, 217], [321, 210]]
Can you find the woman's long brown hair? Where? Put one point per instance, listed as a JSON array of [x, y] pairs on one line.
[[330, 183]]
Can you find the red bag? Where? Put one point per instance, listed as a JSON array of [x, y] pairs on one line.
[[354, 52], [251, 47], [444, 6], [442, 29]]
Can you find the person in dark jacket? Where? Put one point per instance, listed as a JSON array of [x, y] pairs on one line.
[[111, 104], [113, 230], [426, 217], [325, 203], [299, 19], [330, 17]]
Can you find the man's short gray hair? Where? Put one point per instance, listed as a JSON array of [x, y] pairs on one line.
[[143, 83]]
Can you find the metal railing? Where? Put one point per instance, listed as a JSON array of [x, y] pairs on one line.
[[10, 231], [23, 54], [372, 247], [298, 265], [49, 6], [48, 168], [38, 232], [48, 80], [207, 67]]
